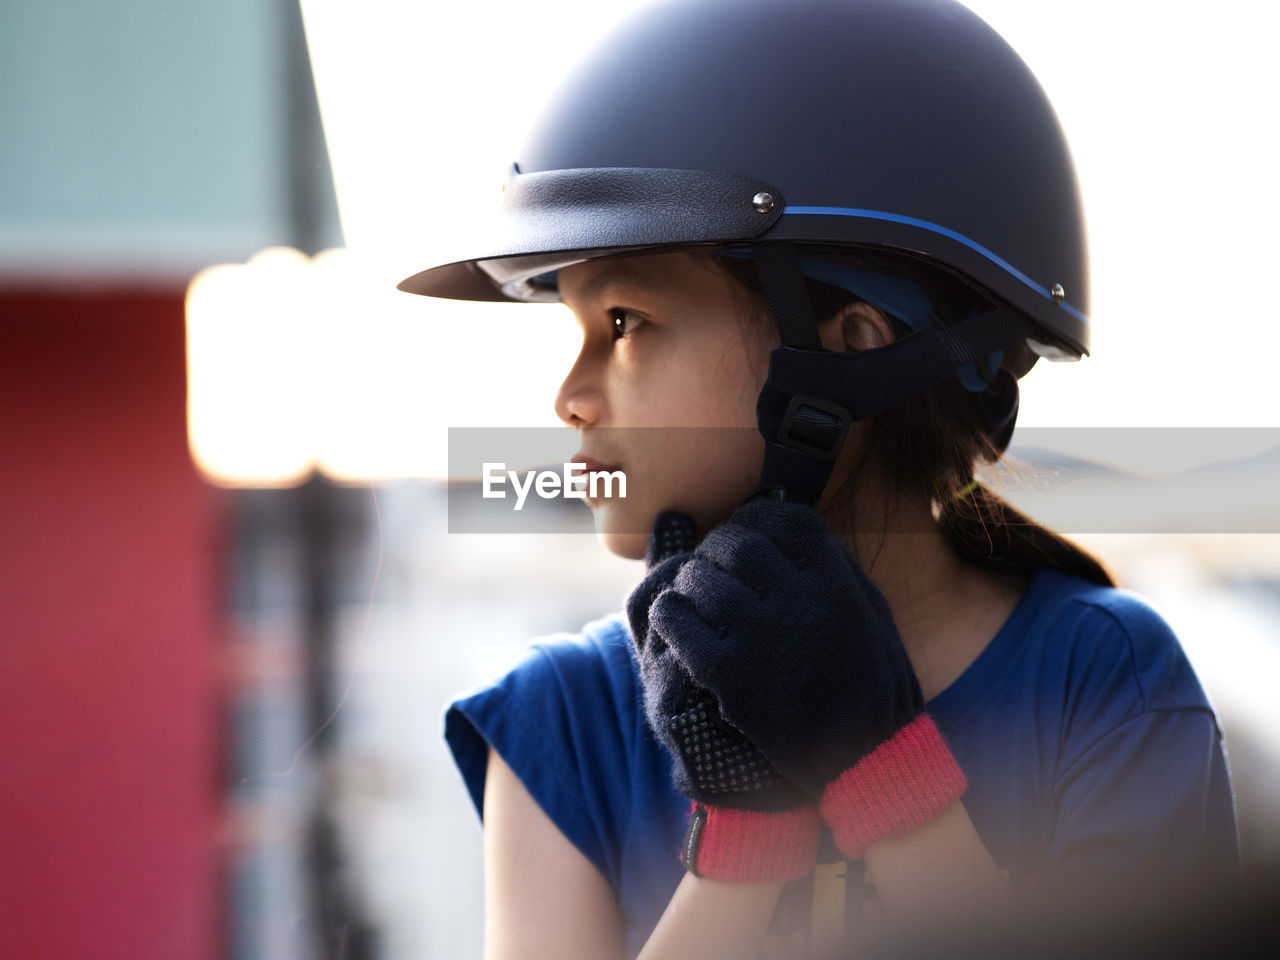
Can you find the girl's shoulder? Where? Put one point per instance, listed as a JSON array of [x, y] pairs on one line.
[[1077, 648], [559, 664], [1114, 634], [603, 642]]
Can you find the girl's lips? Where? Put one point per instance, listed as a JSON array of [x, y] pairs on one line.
[[592, 466], [595, 466]]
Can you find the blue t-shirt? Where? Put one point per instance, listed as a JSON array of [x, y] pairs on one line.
[[1092, 754]]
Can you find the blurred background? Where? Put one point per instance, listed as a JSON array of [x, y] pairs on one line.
[[231, 609]]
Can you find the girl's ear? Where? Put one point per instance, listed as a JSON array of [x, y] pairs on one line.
[[857, 326]]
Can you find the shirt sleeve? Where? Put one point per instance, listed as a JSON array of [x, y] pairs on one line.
[[1147, 807], [561, 720], [1142, 797]]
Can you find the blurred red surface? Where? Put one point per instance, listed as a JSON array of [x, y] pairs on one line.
[[110, 612]]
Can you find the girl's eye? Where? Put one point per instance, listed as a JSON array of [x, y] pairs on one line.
[[624, 322]]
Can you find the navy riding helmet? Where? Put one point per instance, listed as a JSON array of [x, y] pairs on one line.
[[855, 142]]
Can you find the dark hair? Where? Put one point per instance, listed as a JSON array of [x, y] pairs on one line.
[[929, 445]]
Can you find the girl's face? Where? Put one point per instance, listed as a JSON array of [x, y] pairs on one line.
[[667, 344]]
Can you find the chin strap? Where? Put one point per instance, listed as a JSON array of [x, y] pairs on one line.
[[812, 394]]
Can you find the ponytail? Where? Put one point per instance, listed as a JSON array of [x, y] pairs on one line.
[[929, 446], [985, 530]]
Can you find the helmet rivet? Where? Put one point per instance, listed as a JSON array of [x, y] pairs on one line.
[[1057, 293], [763, 202]]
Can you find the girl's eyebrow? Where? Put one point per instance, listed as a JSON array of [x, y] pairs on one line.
[[613, 275]]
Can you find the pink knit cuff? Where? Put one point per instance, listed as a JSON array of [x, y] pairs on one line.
[[902, 784], [750, 847]]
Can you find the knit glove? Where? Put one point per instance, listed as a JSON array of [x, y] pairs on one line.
[[748, 822], [773, 618]]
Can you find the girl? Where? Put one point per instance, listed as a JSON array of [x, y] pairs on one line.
[[812, 246]]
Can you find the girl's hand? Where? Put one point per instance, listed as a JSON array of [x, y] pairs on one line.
[[713, 762], [749, 822], [798, 651]]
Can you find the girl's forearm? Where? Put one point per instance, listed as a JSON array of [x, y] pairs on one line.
[[940, 874], [713, 920], [938, 877]]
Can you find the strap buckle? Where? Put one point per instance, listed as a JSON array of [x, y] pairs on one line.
[[814, 426]]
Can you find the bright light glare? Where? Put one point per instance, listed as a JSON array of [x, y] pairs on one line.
[[298, 364], [247, 360]]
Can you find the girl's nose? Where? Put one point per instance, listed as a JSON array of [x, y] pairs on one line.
[[579, 402]]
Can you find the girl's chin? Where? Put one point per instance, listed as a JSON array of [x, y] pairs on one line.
[[621, 533], [629, 546]]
